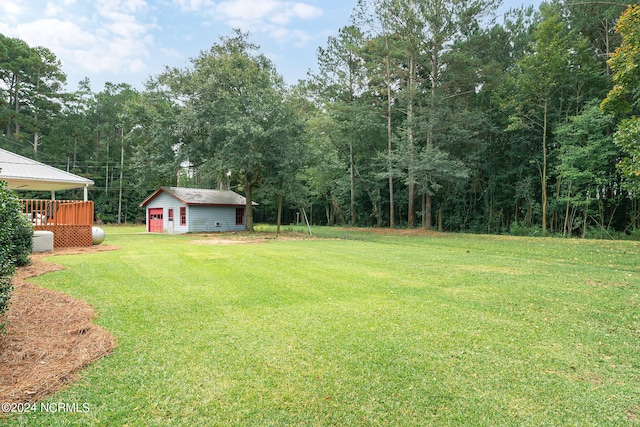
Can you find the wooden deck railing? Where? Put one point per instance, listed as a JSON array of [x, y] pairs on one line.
[[69, 220], [58, 212]]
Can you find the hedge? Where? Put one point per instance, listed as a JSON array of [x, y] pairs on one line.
[[16, 243]]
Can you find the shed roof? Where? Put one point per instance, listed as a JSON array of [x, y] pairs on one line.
[[22, 173], [198, 196]]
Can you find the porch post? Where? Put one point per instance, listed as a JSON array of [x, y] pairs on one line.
[[53, 195], [86, 193]]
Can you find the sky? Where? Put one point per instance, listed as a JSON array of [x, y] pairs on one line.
[[128, 41]]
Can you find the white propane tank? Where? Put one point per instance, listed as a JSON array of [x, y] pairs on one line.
[[97, 235]]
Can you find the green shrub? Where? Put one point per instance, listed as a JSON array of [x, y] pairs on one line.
[[517, 229], [6, 272], [600, 233], [16, 243], [22, 240]]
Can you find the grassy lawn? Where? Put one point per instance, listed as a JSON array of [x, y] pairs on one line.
[[358, 329]]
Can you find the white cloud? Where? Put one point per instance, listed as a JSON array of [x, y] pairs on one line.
[[107, 36], [270, 17], [11, 10], [115, 10], [284, 35], [115, 40], [299, 11], [194, 5], [126, 28], [249, 11], [54, 34], [255, 11], [52, 10], [306, 11], [171, 53]]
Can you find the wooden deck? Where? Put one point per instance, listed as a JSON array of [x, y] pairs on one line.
[[69, 220]]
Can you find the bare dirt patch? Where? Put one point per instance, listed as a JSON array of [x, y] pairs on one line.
[[246, 238], [50, 336], [218, 241]]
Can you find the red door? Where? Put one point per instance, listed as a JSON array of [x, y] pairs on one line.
[[154, 222]]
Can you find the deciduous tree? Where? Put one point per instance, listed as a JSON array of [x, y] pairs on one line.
[[623, 99], [234, 115]]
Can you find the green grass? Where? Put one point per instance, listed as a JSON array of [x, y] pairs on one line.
[[358, 329]]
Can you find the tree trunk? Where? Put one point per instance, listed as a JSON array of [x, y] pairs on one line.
[[36, 135], [424, 210], [379, 210], [392, 221], [353, 185], [490, 209], [434, 77], [106, 173], [121, 168], [607, 45], [412, 186], [565, 231], [584, 222], [279, 219], [248, 210], [557, 214], [327, 212], [427, 214], [17, 105], [544, 169]]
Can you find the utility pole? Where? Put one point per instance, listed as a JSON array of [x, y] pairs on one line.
[[106, 174], [121, 167]]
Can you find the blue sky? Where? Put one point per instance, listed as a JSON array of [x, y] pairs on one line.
[[126, 41]]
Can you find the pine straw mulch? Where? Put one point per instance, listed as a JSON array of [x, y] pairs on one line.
[[50, 336]]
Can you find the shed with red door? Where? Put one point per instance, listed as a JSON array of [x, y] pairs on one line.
[[193, 210]]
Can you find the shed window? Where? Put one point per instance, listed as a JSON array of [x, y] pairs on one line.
[[239, 216], [170, 215], [183, 215]]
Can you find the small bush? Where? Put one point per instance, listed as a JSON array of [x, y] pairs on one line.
[[600, 233], [516, 229], [22, 240]]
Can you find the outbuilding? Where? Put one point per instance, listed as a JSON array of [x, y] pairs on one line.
[[193, 210]]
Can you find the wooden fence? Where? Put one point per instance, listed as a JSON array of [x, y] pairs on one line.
[[69, 220]]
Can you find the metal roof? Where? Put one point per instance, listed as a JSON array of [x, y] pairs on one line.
[[22, 173], [198, 196]]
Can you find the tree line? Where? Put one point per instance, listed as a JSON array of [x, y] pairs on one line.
[[421, 113]]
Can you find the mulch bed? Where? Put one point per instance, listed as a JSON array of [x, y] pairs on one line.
[[50, 336]]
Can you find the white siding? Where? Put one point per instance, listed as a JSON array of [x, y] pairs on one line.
[[199, 218], [212, 218], [165, 201]]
